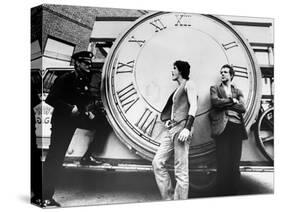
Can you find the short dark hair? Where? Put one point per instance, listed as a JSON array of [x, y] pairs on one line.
[[231, 70], [184, 68]]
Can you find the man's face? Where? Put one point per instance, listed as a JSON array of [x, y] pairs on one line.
[[225, 75], [175, 73], [84, 65]]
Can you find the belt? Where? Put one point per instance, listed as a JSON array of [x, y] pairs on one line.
[[172, 123]]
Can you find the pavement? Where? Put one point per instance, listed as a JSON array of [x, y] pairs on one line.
[[81, 187]]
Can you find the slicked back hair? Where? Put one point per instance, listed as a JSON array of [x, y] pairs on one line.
[[231, 70]]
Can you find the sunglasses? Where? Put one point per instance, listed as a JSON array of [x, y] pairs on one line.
[[87, 63]]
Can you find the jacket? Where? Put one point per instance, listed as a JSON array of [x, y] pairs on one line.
[[221, 104], [68, 90]]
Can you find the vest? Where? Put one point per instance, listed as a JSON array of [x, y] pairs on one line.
[[177, 104]]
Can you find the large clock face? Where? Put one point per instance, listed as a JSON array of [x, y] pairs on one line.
[[137, 79]]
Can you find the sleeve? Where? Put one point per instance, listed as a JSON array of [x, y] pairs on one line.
[[239, 107], [218, 102], [192, 95], [55, 97]]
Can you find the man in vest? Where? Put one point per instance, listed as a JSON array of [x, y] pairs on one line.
[[228, 130], [178, 115]]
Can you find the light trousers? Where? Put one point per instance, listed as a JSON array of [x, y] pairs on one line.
[[170, 144]]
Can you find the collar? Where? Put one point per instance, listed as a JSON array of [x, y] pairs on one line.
[[231, 85]]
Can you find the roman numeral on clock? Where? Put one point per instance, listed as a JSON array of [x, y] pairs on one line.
[[128, 97], [183, 20], [229, 45], [240, 71], [125, 67], [147, 122], [139, 42], [159, 26]]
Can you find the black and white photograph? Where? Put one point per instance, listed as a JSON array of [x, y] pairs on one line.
[[153, 105], [172, 105]]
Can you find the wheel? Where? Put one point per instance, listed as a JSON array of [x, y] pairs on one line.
[[203, 174], [264, 133], [203, 182]]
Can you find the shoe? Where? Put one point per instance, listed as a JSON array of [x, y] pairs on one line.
[[90, 161], [36, 201], [49, 203]]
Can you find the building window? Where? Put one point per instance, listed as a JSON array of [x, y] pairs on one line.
[[58, 50], [57, 54], [264, 54], [36, 55], [35, 50]]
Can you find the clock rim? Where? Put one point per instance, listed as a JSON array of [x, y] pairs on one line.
[[118, 128]]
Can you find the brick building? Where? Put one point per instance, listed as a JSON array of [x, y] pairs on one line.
[[57, 31]]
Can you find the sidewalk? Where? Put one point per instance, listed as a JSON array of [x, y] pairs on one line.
[[88, 187]]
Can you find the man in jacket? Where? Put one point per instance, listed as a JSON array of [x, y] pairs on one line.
[[228, 130]]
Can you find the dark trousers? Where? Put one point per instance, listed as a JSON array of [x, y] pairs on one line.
[[228, 153], [62, 133], [101, 134]]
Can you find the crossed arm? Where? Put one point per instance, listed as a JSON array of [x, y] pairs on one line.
[[236, 104]]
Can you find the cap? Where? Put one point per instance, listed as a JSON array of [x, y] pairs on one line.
[[83, 56]]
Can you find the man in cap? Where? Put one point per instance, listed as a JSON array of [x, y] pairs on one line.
[[70, 96]]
